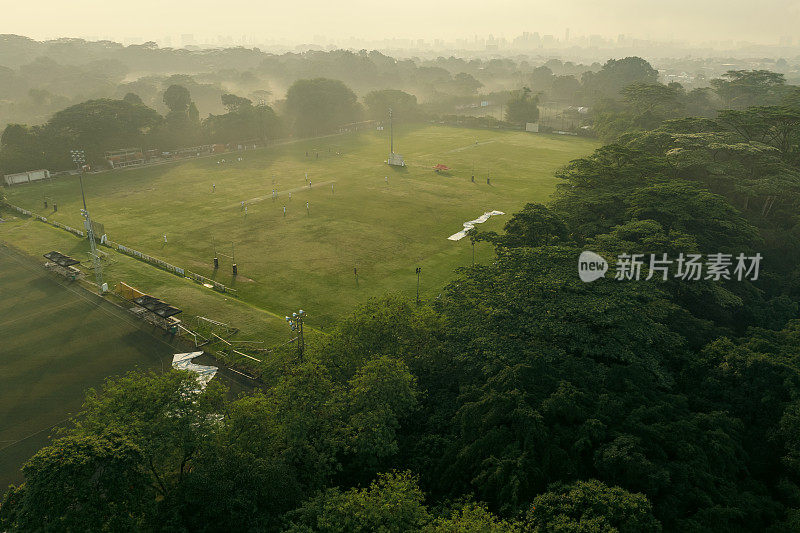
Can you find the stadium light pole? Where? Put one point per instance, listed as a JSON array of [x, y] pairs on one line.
[[79, 158], [296, 324]]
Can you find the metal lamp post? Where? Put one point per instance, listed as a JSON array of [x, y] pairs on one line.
[[79, 158], [296, 324]]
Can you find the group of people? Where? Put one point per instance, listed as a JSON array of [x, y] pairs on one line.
[[488, 182], [308, 182]]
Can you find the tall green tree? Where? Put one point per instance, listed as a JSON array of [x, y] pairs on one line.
[[404, 106], [522, 107], [393, 502], [178, 100], [163, 414], [320, 105], [82, 483], [590, 506], [744, 88], [243, 122], [617, 74]]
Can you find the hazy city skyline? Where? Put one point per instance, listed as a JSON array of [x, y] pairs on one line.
[[770, 22]]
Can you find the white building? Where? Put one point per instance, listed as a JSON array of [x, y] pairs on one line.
[[27, 177]]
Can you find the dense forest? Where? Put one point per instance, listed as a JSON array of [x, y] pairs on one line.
[[107, 101], [521, 398], [38, 79]]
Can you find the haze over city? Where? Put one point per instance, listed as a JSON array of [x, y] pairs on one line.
[[719, 22]]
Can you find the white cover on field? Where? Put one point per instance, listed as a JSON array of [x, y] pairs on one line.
[[183, 361], [471, 224]]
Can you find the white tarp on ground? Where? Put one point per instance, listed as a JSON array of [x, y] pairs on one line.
[[471, 224], [183, 361]]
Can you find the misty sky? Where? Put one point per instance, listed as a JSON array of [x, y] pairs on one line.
[[297, 21]]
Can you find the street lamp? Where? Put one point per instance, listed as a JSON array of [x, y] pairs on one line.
[[79, 158], [296, 324]]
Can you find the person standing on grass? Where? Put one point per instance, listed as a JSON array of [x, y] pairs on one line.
[[284, 211]]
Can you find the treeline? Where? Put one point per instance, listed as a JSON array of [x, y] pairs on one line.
[[644, 104], [626, 95], [39, 78], [521, 398], [312, 107]]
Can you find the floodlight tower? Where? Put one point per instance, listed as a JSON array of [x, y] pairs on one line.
[[79, 158], [296, 324], [394, 159]]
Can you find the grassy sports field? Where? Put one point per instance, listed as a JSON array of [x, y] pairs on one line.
[[354, 220], [57, 340]]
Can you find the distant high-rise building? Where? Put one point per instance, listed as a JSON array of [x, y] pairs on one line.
[[187, 39], [527, 40], [566, 35]]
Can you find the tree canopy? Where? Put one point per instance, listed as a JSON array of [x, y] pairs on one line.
[[320, 105]]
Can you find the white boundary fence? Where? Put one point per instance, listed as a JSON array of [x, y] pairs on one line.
[[70, 229], [178, 271], [144, 257]]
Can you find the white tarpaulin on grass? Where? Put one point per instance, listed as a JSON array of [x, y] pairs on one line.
[[183, 361], [471, 224]]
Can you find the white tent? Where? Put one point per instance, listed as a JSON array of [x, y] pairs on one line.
[[183, 361], [471, 224]]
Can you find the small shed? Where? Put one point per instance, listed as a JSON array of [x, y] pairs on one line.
[[27, 177]]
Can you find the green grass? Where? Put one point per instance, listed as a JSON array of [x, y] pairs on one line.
[[306, 260], [36, 238], [57, 340]]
